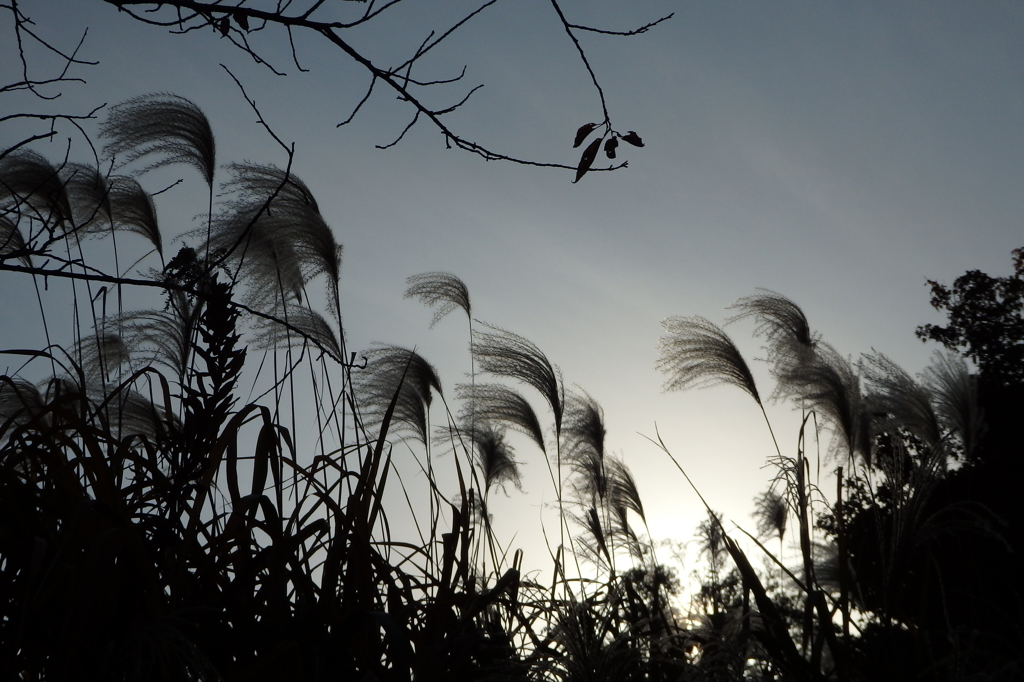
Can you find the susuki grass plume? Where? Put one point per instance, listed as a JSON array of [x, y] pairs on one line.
[[440, 290], [771, 514], [499, 404], [31, 187], [495, 458], [955, 394], [12, 242], [503, 353], [783, 325], [89, 196], [893, 392], [695, 353], [274, 235], [585, 435], [403, 375], [164, 125], [829, 384]]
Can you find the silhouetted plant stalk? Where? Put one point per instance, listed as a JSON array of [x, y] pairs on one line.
[[445, 292], [506, 354]]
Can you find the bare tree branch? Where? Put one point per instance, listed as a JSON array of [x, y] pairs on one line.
[[234, 22], [634, 32]]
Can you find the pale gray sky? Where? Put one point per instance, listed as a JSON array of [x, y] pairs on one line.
[[838, 153]]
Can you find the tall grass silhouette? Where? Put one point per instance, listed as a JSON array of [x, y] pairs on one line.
[[159, 526], [208, 486]]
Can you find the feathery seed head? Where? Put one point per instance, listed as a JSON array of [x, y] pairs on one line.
[[12, 241], [100, 355], [31, 187], [622, 490], [584, 426], [711, 538], [311, 326], [955, 394], [771, 514], [136, 415], [20, 400], [896, 394], [390, 370], [506, 354], [828, 383], [697, 353], [100, 204], [494, 458], [132, 210], [164, 336], [89, 196], [783, 325], [497, 404], [441, 289], [163, 124], [274, 233]]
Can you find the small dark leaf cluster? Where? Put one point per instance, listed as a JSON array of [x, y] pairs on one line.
[[611, 143]]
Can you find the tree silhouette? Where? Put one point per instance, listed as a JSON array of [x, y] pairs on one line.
[[986, 321]]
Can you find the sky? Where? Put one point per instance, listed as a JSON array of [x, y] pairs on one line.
[[841, 154]]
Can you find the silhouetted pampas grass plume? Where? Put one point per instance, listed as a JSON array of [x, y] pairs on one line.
[[829, 384], [808, 370], [770, 514], [164, 125], [696, 353], [164, 336], [893, 392], [955, 394], [584, 425], [272, 231], [440, 290], [622, 489], [31, 187], [393, 371], [304, 324], [132, 210], [783, 325], [12, 242], [506, 354], [20, 401], [501, 405], [287, 209], [100, 355], [137, 415], [264, 259], [503, 353], [624, 496], [495, 459], [584, 435], [89, 196], [100, 203]]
